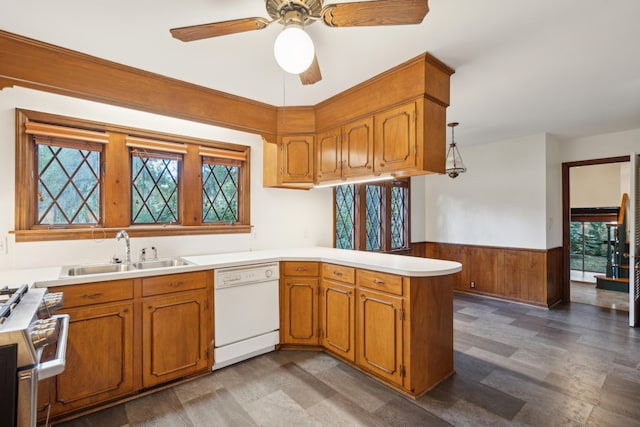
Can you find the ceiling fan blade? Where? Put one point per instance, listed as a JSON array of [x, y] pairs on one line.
[[205, 31], [372, 13], [312, 74]]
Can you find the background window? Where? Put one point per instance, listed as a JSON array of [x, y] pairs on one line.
[[68, 182], [154, 188], [345, 216], [220, 192], [372, 217]]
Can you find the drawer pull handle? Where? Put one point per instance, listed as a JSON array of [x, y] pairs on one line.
[[301, 269], [337, 273], [175, 284], [378, 282], [93, 296]]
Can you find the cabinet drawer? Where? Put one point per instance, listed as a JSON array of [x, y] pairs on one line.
[[95, 293], [293, 268], [339, 273], [380, 281], [174, 283]]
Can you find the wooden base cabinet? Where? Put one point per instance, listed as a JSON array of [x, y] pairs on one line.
[[126, 335], [299, 308], [379, 334], [99, 357], [398, 329], [337, 311], [174, 337]]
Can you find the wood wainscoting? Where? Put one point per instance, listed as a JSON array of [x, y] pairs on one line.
[[531, 276]]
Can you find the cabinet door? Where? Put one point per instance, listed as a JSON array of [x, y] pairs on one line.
[[337, 319], [297, 158], [300, 311], [174, 336], [379, 333], [329, 156], [99, 357], [357, 148], [395, 139]]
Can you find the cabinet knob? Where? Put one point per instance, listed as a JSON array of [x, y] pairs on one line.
[[361, 295], [381, 165]]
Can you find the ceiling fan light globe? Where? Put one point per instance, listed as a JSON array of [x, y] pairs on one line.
[[294, 50]]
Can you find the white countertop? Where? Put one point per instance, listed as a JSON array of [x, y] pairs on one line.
[[396, 264]]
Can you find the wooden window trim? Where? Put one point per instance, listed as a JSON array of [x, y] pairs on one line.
[[116, 191]]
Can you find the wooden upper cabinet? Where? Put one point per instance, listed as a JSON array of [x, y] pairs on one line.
[[345, 152], [329, 155], [357, 148], [297, 159], [396, 146]]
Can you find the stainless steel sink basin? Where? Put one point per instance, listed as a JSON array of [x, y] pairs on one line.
[[83, 270], [160, 263]]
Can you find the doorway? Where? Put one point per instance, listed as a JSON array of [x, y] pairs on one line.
[[590, 212]]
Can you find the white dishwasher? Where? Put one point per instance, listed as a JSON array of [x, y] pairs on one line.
[[246, 312]]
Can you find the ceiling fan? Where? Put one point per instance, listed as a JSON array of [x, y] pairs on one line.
[[293, 44]]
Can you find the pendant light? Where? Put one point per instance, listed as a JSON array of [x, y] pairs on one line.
[[455, 166], [293, 49]]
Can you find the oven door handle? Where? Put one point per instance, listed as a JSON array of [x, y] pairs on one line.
[[56, 366]]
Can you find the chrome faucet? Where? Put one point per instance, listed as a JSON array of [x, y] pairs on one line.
[[123, 233]]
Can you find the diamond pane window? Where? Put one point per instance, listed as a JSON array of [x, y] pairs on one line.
[[345, 216], [68, 184], [220, 193], [399, 210], [373, 217], [154, 188]]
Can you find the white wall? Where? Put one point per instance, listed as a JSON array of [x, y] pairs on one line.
[[554, 192], [601, 146], [511, 194], [280, 217], [500, 201]]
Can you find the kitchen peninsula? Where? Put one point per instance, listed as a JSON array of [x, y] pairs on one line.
[[389, 316]]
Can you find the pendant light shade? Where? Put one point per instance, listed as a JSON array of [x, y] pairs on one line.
[[294, 49], [455, 165]]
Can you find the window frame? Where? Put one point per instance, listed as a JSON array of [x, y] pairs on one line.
[[360, 235], [116, 183]]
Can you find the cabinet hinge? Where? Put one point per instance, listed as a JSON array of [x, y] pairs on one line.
[[401, 312], [403, 371], [206, 354], [206, 304], [319, 333]]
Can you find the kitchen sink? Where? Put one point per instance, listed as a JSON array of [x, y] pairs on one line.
[[160, 263], [85, 270]]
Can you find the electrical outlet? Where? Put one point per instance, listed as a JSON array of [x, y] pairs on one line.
[[472, 284]]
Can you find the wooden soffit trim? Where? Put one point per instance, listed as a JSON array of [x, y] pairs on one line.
[[72, 73]]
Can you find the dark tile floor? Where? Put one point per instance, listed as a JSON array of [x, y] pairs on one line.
[[516, 365]]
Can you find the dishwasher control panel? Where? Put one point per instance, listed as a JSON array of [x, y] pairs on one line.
[[246, 274]]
